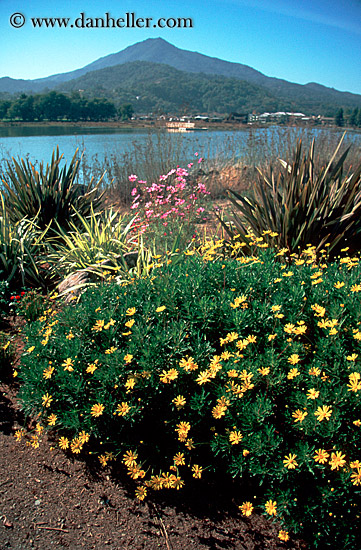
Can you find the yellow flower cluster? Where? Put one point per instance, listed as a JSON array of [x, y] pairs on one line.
[[76, 444], [354, 382], [105, 458], [123, 409], [188, 364], [239, 301], [220, 409], [182, 429], [168, 376], [134, 469]]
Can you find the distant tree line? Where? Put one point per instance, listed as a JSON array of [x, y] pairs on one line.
[[352, 117], [55, 106]]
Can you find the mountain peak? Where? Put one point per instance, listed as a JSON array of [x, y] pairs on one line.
[[157, 50]]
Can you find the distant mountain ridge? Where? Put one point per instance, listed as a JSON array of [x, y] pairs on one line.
[[157, 50], [156, 87]]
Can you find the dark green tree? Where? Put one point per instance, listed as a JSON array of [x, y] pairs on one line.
[[54, 105], [339, 120], [358, 121], [353, 117], [79, 108], [4, 107], [126, 111], [101, 109], [23, 108]]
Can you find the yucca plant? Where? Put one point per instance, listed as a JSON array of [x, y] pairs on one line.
[[302, 204], [49, 193], [22, 250]]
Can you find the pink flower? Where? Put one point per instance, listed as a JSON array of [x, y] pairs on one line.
[[199, 210], [134, 191], [182, 172], [133, 177], [190, 165], [200, 160]]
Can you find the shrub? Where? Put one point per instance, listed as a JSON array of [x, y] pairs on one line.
[[169, 209], [156, 153], [48, 194], [21, 250], [100, 245], [4, 297], [29, 304], [245, 367], [302, 204]]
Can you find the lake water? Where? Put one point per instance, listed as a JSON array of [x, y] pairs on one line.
[[249, 145]]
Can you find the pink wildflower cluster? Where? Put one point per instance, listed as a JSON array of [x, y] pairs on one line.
[[172, 198]]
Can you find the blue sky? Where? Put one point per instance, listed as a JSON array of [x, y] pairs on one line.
[[301, 41]]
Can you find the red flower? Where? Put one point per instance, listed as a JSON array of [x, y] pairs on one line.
[[17, 297], [22, 293]]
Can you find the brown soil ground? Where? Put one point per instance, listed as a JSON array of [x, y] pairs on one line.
[[51, 500]]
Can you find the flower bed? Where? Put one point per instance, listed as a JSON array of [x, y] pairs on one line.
[[215, 366]]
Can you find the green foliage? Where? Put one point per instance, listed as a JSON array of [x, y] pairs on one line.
[[54, 106], [21, 250], [245, 367], [126, 111], [302, 204], [339, 120], [48, 194], [353, 118], [169, 211], [161, 87], [6, 354], [4, 297], [99, 244], [29, 304]]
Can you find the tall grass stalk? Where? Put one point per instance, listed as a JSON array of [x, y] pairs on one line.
[[229, 160]]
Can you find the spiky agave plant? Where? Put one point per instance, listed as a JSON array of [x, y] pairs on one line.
[[49, 193], [302, 204], [22, 250]]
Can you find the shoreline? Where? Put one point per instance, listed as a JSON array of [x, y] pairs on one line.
[[159, 125]]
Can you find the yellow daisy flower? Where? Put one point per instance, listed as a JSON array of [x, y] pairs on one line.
[[246, 508], [97, 410], [290, 461], [271, 507]]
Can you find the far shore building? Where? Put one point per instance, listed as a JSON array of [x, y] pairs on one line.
[[279, 116]]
